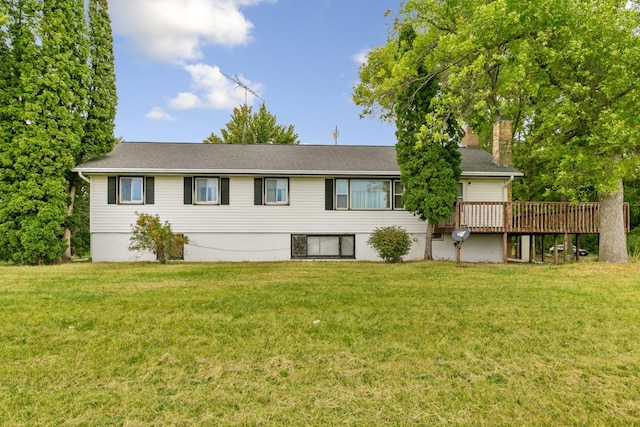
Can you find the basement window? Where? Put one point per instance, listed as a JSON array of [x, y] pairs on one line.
[[323, 246]]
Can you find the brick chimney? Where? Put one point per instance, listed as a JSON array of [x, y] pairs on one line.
[[469, 140], [502, 138]]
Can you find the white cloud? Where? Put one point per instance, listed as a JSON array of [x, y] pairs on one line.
[[176, 30], [158, 113], [185, 101], [211, 89], [361, 57]]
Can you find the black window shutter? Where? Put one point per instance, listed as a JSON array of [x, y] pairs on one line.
[[149, 191], [112, 184], [257, 191], [188, 190], [224, 191], [328, 194]]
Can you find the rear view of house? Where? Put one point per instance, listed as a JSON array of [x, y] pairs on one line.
[[273, 202]]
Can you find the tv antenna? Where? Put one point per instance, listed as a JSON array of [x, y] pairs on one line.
[[246, 88]]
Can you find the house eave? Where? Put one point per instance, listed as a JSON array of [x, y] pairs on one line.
[[505, 174], [143, 171], [154, 171]]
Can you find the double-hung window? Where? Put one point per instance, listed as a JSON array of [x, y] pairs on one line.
[[276, 191], [207, 191], [342, 194], [131, 190], [398, 191]]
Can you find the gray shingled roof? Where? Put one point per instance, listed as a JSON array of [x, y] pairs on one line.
[[161, 158]]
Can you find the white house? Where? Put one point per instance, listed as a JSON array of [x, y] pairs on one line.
[[273, 202]]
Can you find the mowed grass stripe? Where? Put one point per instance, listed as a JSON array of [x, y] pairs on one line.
[[320, 343]]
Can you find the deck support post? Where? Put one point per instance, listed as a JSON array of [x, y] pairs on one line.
[[505, 248], [532, 248], [565, 244], [555, 248]]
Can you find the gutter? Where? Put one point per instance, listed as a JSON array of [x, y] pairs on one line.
[[84, 178], [508, 183]]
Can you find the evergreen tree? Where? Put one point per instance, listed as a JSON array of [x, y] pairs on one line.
[[45, 78], [246, 127], [429, 161], [98, 130], [98, 135]]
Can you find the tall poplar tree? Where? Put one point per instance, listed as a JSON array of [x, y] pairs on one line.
[[99, 125], [103, 99]]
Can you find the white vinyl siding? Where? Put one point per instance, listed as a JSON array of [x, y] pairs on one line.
[[483, 190], [242, 231], [305, 213]]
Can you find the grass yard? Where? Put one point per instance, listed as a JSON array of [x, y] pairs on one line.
[[320, 343]]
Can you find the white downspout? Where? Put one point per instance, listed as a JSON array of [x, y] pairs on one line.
[[84, 178], [505, 185]]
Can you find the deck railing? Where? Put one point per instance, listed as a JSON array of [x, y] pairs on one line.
[[527, 217]]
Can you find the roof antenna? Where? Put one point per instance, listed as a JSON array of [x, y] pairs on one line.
[[335, 134], [247, 90]]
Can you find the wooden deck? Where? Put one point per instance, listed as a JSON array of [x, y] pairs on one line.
[[527, 218]]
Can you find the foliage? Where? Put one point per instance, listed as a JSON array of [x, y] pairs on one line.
[[633, 244], [149, 234], [78, 222], [257, 128], [395, 344], [565, 73], [427, 137], [44, 106], [102, 101], [391, 243], [427, 147]]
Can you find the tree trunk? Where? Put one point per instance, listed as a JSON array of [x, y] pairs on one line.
[[66, 236], [428, 244], [613, 239]]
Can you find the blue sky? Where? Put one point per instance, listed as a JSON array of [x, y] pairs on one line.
[[300, 56]]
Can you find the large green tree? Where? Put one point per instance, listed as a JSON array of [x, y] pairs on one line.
[[46, 80], [565, 72], [246, 127]]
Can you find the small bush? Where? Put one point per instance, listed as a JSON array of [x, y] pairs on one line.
[[148, 233], [391, 243]]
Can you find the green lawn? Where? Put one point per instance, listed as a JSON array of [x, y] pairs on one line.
[[315, 343]]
